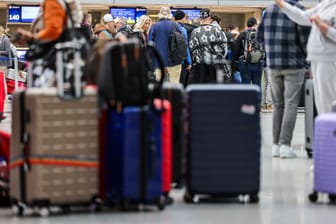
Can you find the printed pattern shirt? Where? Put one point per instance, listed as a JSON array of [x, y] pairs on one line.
[[207, 43]]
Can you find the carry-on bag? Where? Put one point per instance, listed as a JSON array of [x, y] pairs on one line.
[[4, 170], [324, 157], [223, 141], [310, 114], [166, 119], [133, 166], [54, 147], [174, 93], [2, 94]]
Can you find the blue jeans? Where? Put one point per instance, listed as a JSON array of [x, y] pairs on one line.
[[236, 77], [286, 90], [251, 73]]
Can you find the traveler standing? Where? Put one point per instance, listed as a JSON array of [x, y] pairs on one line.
[[285, 56], [180, 18], [47, 28], [110, 30], [5, 50], [86, 26], [249, 54], [160, 33], [143, 26], [321, 48], [207, 44]]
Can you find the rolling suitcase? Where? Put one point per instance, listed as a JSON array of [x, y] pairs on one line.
[[223, 141], [310, 114], [4, 170], [134, 157], [2, 94], [324, 157], [166, 119], [54, 147], [175, 94]]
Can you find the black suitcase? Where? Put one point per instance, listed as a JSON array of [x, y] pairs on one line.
[[310, 114], [125, 81], [175, 94], [223, 141]]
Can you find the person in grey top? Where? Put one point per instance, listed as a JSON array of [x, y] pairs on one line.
[[5, 52], [321, 48]]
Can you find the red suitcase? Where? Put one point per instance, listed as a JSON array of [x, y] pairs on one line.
[[4, 171], [11, 85], [2, 93], [166, 146], [4, 144]]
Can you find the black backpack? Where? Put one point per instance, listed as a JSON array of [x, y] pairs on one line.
[[253, 50], [177, 46]]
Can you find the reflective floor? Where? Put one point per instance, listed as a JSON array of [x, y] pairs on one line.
[[283, 197]]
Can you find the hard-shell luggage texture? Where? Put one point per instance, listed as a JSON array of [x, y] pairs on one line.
[[223, 141], [325, 156], [58, 163], [175, 94], [4, 170], [2, 93], [4, 145], [166, 143], [310, 114], [134, 157]]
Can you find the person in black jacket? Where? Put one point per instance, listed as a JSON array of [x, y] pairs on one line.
[[250, 71]]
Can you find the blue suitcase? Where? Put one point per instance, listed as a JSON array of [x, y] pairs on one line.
[[134, 157], [223, 141]]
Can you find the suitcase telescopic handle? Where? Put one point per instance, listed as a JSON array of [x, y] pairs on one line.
[[69, 45]]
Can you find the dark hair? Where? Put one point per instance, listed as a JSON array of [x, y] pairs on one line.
[[215, 17], [233, 26], [251, 22]]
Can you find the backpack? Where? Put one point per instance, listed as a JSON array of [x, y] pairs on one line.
[[177, 46], [253, 50]]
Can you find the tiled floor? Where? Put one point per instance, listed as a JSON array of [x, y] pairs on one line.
[[283, 197]]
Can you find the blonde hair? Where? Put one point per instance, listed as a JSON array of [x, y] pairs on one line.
[[142, 20], [165, 13]]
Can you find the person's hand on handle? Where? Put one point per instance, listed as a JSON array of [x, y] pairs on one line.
[[323, 26], [280, 3]]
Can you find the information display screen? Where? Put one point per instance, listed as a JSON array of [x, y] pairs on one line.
[[29, 13], [14, 14], [128, 13], [139, 12], [192, 13], [22, 13]]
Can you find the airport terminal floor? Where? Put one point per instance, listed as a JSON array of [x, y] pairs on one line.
[[285, 184]]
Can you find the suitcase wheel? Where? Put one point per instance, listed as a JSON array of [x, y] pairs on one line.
[[188, 198], [254, 198], [332, 198], [161, 203], [313, 197], [44, 212], [96, 204], [309, 153]]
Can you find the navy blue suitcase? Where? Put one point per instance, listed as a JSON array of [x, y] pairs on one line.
[[134, 157], [223, 141]]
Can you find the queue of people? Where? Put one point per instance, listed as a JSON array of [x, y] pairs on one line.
[[283, 46]]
